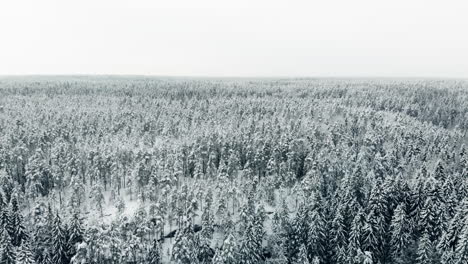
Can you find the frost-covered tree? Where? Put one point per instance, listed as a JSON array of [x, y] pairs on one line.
[[24, 254], [60, 244], [7, 251], [228, 253], [250, 247], [426, 250], [155, 253], [302, 256], [97, 196]]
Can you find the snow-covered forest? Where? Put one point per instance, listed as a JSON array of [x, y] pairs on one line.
[[235, 171]]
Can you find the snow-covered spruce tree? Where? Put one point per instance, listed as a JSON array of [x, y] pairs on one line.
[[38, 177], [47, 258], [24, 254], [80, 256], [7, 184], [401, 236], [461, 251], [228, 253], [250, 247], [431, 216], [77, 192], [75, 233], [317, 243], [339, 233], [205, 252], [7, 251], [301, 224], [60, 246], [290, 240], [97, 194], [439, 172], [373, 235], [183, 249], [356, 237], [426, 250], [209, 198], [6, 223], [221, 211], [120, 205], [246, 216], [18, 230], [302, 256], [155, 253], [42, 233], [207, 224]]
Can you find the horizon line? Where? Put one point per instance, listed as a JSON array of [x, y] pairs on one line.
[[232, 76]]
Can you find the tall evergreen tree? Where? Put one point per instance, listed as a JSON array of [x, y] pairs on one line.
[[250, 248], [317, 238], [18, 233], [60, 244], [24, 254], [7, 251], [461, 251], [183, 249], [75, 233], [401, 236], [356, 237], [302, 256], [154, 254], [426, 250], [228, 254]]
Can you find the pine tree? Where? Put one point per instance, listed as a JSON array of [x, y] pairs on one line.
[[431, 217], [400, 237], [120, 205], [250, 248], [448, 257], [302, 256], [6, 222], [461, 251], [373, 234], [246, 216], [228, 254], [301, 224], [339, 234], [47, 259], [154, 255], [221, 210], [426, 250], [60, 246], [205, 252], [98, 198], [356, 237], [75, 232], [290, 240], [24, 254], [38, 176], [317, 237], [81, 252], [439, 172], [207, 224], [2, 203], [77, 190], [183, 250], [42, 236], [7, 252], [18, 232]]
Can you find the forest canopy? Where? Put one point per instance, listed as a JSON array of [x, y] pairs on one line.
[[175, 170]]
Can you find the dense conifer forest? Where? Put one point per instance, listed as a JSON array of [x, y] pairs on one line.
[[234, 171]]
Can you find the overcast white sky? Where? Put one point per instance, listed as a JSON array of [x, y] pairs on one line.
[[403, 38]]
